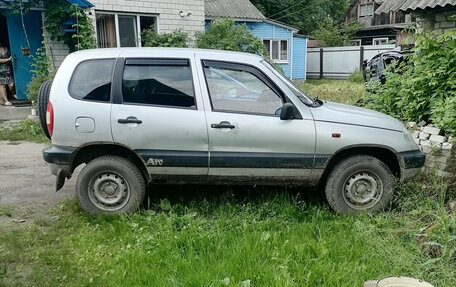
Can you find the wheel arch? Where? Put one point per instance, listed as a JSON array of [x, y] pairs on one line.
[[92, 151], [390, 157]]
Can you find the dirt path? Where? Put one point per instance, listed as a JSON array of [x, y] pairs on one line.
[[26, 184]]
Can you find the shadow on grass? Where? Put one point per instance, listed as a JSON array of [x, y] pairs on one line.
[[188, 195]]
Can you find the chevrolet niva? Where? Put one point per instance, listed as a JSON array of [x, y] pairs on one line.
[[141, 116]]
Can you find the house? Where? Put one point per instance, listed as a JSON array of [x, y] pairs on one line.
[[377, 28], [285, 46], [118, 23], [432, 15]]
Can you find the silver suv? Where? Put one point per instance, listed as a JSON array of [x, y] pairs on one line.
[[140, 116]]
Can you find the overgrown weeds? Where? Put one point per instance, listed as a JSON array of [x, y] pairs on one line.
[[26, 130]]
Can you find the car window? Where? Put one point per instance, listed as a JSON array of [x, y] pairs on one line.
[[92, 80], [158, 84], [239, 90]]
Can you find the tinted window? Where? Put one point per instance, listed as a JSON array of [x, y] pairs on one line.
[[92, 80], [163, 85], [240, 90]]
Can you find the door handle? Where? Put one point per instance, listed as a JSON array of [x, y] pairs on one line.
[[129, 120], [223, 125]]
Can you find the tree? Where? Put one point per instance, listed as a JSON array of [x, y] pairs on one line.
[[224, 34], [329, 34], [177, 38], [307, 15]]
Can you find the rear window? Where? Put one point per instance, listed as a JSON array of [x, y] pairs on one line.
[[92, 80], [158, 82]]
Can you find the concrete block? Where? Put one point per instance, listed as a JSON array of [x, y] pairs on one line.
[[424, 136], [437, 139], [440, 18], [440, 159], [431, 130], [425, 149], [444, 174], [447, 146], [417, 140], [416, 134], [437, 165], [448, 24], [411, 125], [422, 124]]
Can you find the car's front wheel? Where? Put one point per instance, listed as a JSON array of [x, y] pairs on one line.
[[359, 183], [110, 185]]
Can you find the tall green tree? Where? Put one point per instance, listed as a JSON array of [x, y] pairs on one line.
[[307, 15]]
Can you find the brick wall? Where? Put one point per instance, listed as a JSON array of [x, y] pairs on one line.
[[438, 22], [57, 51], [166, 10], [439, 149]]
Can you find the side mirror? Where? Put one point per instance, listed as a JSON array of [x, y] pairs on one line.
[[287, 112]]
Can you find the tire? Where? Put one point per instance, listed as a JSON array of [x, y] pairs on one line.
[[110, 185], [41, 104], [359, 183]]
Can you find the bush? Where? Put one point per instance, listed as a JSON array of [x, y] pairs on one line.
[[356, 77], [224, 34], [177, 38], [423, 86], [42, 70]]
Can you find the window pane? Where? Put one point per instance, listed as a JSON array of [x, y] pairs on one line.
[[267, 43], [275, 50], [147, 23], [365, 10], [158, 85], [127, 31], [283, 50], [240, 91], [92, 80], [106, 31]]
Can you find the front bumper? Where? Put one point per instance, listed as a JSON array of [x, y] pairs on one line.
[[413, 162]]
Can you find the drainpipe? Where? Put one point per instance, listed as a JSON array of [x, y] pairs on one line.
[[291, 57]]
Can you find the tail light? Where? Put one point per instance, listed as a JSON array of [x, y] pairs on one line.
[[50, 118]]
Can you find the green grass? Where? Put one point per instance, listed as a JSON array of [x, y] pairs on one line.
[[26, 130], [209, 236], [6, 210], [345, 92]]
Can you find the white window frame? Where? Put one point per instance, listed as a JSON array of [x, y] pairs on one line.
[[356, 42], [379, 39], [138, 24], [280, 47]]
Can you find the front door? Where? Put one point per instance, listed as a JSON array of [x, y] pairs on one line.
[[247, 138], [23, 36], [160, 116]]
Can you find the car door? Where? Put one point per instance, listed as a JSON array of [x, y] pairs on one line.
[[157, 113], [247, 138]]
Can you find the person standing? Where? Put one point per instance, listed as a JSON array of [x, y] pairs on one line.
[[6, 74]]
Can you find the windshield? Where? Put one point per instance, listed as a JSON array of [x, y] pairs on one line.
[[306, 99]]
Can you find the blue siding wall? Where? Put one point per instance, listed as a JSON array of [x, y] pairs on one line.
[[265, 30], [299, 58]]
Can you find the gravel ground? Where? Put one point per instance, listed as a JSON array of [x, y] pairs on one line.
[[26, 184]]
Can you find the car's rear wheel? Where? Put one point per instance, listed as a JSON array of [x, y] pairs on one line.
[[110, 185], [359, 183], [41, 104]]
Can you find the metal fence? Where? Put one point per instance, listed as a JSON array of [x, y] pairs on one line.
[[340, 62]]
